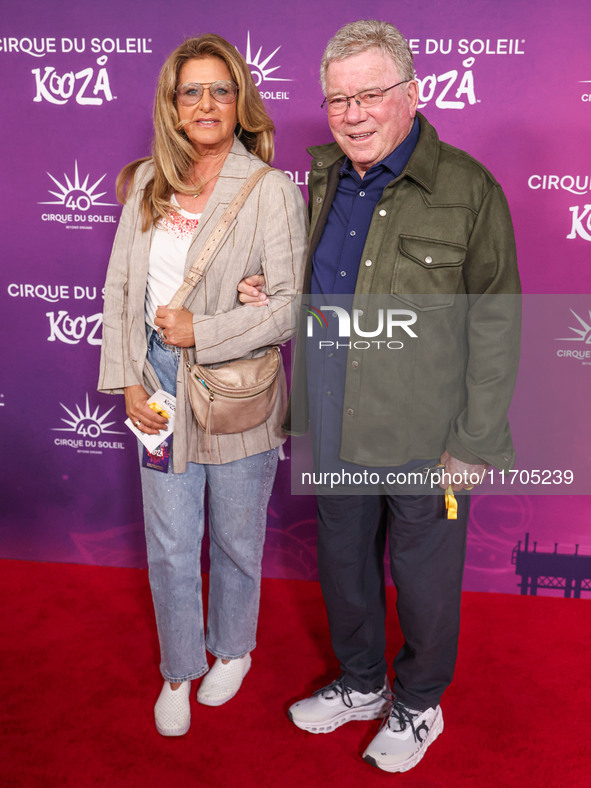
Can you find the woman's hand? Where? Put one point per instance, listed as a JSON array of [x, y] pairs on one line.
[[251, 291], [140, 413], [175, 326]]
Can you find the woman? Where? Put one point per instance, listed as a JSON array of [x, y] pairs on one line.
[[211, 132]]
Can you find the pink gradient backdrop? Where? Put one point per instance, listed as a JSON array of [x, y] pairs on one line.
[[72, 100]]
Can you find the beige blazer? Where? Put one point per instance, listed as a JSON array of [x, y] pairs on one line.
[[268, 236]]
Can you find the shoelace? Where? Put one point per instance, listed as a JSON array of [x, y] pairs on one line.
[[338, 688], [405, 717]]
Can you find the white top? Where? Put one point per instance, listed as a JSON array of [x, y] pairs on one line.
[[166, 268]]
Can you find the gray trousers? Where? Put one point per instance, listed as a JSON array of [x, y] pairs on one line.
[[427, 553]]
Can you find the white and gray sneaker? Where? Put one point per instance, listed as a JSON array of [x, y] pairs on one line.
[[403, 738], [336, 704]]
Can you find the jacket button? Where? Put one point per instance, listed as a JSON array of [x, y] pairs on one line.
[[350, 412], [428, 259], [367, 263], [383, 212], [354, 364], [319, 164], [318, 199]]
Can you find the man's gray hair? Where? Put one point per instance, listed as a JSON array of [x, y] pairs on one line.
[[357, 37]]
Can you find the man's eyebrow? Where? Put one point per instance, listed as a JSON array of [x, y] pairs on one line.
[[371, 86]]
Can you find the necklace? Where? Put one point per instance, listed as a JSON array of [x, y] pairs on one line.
[[204, 184]]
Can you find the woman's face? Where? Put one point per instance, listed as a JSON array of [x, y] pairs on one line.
[[209, 125]]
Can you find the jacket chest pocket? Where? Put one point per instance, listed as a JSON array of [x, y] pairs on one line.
[[427, 273]]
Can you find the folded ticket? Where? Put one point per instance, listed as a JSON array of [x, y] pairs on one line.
[[165, 404]]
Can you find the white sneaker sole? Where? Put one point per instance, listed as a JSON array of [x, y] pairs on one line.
[[173, 731], [409, 763], [375, 713]]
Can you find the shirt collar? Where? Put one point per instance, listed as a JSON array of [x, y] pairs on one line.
[[395, 161]]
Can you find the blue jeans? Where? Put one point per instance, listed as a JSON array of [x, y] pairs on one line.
[[238, 495]]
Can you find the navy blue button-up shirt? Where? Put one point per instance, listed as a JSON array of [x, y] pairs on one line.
[[336, 259]]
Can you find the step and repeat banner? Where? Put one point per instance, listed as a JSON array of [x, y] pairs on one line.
[[511, 87]]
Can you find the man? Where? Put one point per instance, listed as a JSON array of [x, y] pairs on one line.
[[395, 211]]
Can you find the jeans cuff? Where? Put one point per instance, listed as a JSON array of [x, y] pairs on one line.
[[221, 655], [188, 677]]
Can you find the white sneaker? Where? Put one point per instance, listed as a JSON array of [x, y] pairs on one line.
[[172, 712], [336, 704], [223, 681], [403, 738]]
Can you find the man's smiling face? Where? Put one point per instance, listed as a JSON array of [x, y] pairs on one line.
[[369, 135]]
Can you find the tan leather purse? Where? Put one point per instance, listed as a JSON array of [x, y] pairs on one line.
[[237, 395]]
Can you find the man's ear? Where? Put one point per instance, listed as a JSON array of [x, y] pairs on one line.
[[412, 92]]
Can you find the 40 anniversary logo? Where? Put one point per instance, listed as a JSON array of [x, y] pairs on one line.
[[582, 335], [75, 196], [262, 71], [86, 427]]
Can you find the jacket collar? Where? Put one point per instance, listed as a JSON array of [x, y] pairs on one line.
[[421, 167]]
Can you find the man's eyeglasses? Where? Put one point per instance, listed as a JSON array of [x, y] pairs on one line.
[[191, 93], [364, 99]]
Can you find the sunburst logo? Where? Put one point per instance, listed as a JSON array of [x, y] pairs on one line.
[[75, 193], [87, 423], [581, 334], [259, 64]]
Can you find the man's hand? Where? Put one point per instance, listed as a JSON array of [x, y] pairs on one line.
[[251, 291], [175, 326], [141, 414], [461, 475]]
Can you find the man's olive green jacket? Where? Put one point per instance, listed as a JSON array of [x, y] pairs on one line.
[[441, 246]]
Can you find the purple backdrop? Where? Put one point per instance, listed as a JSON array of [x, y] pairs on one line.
[[511, 87]]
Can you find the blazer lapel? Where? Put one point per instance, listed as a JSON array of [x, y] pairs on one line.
[[235, 171], [138, 278]]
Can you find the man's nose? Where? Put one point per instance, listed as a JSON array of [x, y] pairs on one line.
[[354, 112]]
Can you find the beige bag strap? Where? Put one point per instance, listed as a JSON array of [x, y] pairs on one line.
[[200, 265]]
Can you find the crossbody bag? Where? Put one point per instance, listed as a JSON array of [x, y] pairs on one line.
[[238, 395]]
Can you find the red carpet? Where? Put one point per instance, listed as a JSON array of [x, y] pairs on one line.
[[80, 679]]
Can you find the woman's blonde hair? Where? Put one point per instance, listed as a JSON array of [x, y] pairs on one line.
[[172, 153]]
